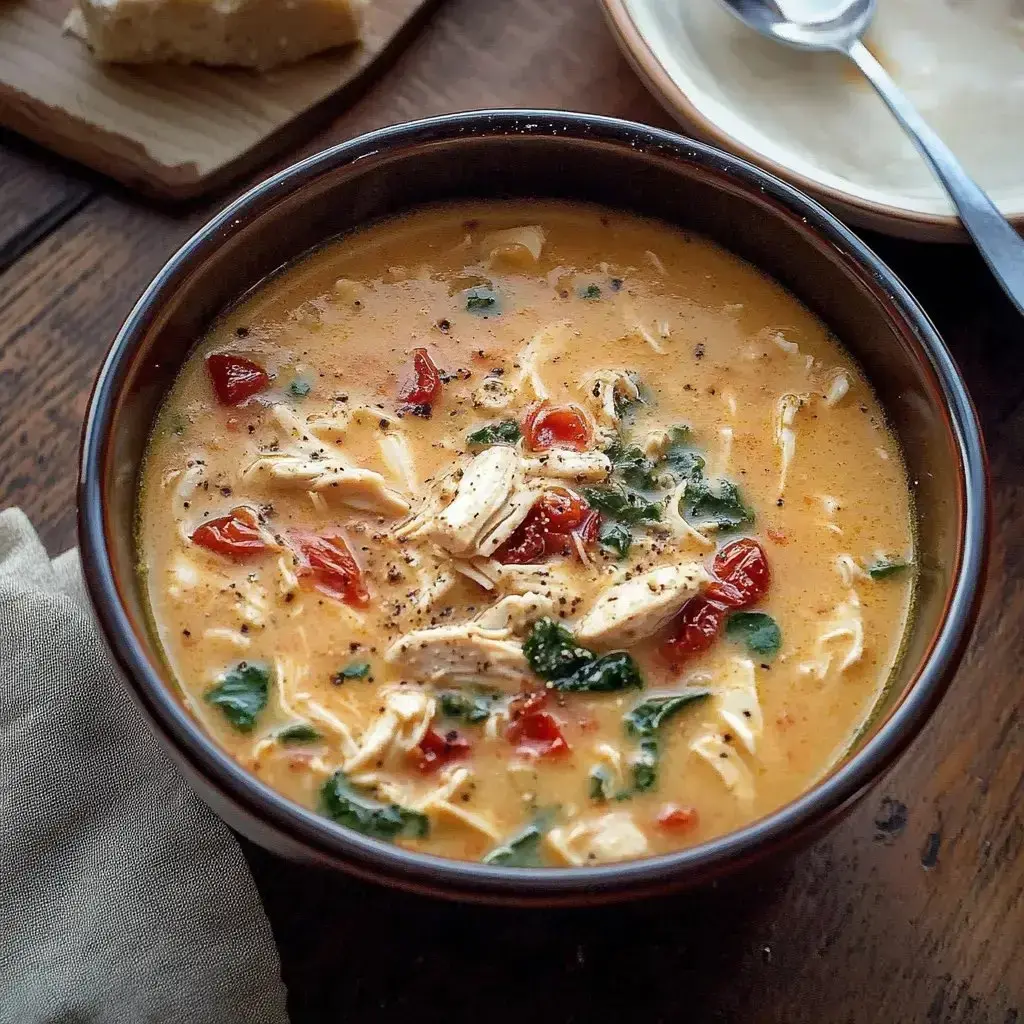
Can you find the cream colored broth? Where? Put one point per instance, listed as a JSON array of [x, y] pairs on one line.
[[714, 344]]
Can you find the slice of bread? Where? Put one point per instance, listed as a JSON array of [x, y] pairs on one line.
[[245, 33]]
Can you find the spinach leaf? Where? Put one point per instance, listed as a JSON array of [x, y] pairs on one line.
[[362, 813], [470, 708], [521, 851], [300, 388], [618, 502], [505, 432], [680, 457], [300, 732], [241, 694], [353, 670], [615, 537], [607, 674], [721, 504], [645, 766], [631, 465], [482, 301], [883, 568], [600, 783], [552, 651], [760, 632], [592, 291], [649, 715]]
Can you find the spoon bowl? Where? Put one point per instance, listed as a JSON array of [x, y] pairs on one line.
[[807, 24]]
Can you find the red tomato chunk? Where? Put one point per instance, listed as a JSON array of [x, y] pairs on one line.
[[237, 535], [694, 630], [560, 426], [673, 818], [743, 574], [533, 731], [328, 565], [549, 527], [421, 385], [235, 378], [437, 749]]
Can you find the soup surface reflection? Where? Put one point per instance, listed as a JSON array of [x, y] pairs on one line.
[[531, 533]]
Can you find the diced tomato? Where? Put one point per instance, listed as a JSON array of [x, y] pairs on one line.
[[694, 630], [548, 528], [743, 574], [237, 535], [421, 384], [559, 426], [674, 818], [532, 730], [560, 510], [537, 734], [235, 378], [436, 750], [327, 563]]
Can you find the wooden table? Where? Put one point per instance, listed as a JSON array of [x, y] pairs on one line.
[[912, 911]]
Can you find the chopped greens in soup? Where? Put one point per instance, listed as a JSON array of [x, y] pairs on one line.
[[528, 533]]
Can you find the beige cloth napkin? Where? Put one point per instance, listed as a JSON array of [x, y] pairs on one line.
[[123, 900]]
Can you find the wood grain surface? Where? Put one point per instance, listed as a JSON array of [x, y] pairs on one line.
[[911, 911], [172, 130]]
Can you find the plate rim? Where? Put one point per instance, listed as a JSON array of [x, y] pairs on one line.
[[883, 217]]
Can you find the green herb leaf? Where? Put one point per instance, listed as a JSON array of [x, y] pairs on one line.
[[645, 766], [615, 537], [300, 388], [607, 674], [722, 504], [470, 708], [600, 783], [353, 670], [300, 732], [649, 715], [505, 432], [482, 301], [883, 568], [626, 506], [680, 457], [591, 291], [552, 651], [362, 813], [631, 465], [521, 851], [760, 632], [241, 694]]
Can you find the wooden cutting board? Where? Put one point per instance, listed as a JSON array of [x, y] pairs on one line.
[[172, 131]]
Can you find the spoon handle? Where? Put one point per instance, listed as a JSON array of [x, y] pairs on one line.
[[1000, 245]]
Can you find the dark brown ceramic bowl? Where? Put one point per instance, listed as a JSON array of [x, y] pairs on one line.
[[499, 154]]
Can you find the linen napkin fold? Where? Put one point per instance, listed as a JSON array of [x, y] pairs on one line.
[[122, 898]]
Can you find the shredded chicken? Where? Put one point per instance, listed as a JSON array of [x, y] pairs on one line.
[[786, 409], [564, 464], [516, 612], [611, 837], [639, 607], [458, 654], [726, 760], [844, 627], [519, 247], [604, 390], [399, 727]]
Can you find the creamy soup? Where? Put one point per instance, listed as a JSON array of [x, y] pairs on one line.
[[530, 533]]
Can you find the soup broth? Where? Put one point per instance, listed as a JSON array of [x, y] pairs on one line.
[[527, 532]]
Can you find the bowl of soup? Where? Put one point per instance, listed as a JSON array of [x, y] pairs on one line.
[[531, 507]]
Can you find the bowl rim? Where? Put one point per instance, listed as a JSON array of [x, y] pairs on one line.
[[471, 880]]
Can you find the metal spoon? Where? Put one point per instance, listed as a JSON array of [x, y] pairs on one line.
[[838, 25]]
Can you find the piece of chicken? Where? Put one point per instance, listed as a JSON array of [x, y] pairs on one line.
[[460, 654], [486, 486], [612, 837], [564, 464], [639, 607]]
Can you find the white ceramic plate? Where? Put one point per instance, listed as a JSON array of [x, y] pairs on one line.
[[813, 119]]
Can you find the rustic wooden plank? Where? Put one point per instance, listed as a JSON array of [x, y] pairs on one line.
[[35, 197], [170, 130], [904, 913]]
